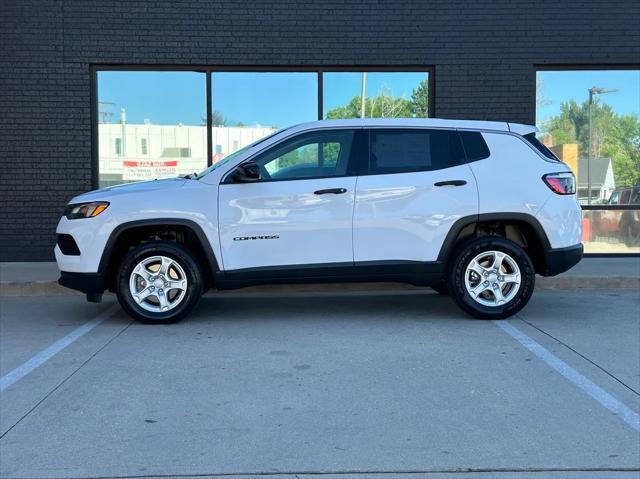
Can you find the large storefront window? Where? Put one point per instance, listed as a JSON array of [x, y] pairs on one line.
[[153, 124], [247, 106], [150, 125], [375, 95], [591, 120]]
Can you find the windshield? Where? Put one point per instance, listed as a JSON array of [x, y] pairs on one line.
[[235, 154]]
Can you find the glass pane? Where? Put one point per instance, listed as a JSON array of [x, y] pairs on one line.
[[250, 105], [611, 231], [386, 94], [150, 125], [314, 155], [396, 151], [605, 157]]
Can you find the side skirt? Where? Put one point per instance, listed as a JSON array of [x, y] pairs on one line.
[[413, 272]]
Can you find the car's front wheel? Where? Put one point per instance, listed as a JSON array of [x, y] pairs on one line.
[[159, 282], [491, 278]]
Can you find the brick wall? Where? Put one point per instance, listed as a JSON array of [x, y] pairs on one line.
[[484, 52]]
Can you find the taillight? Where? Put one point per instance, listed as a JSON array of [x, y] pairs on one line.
[[561, 183]]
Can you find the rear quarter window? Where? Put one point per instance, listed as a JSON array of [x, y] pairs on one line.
[[474, 145], [538, 145]]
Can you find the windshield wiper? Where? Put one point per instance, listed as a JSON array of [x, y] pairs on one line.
[[191, 176]]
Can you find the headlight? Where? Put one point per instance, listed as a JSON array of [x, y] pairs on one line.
[[85, 210]]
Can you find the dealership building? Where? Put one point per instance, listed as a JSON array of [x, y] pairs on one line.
[[95, 93]]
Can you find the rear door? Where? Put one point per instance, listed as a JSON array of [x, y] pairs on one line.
[[300, 212], [415, 185]]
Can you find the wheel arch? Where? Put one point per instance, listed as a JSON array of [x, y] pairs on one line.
[[473, 226], [118, 244]]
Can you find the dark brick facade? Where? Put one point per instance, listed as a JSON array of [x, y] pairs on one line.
[[483, 52]]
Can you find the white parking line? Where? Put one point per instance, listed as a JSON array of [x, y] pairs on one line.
[[46, 354], [596, 392]]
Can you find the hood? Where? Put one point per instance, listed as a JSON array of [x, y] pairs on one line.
[[129, 188]]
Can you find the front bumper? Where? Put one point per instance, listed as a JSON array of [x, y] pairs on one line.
[[559, 260], [92, 284]]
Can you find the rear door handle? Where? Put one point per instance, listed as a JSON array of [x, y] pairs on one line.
[[335, 191], [450, 183]]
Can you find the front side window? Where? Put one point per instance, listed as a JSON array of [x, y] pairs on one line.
[[406, 150], [310, 155]]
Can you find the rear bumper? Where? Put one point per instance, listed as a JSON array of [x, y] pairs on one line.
[[559, 260], [92, 284]]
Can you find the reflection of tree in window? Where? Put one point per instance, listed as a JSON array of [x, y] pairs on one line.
[[385, 105]]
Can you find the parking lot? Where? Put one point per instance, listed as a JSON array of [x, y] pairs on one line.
[[355, 384]]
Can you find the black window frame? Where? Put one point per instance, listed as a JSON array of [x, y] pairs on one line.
[[365, 163], [94, 69]]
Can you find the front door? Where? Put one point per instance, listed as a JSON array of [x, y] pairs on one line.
[[300, 211]]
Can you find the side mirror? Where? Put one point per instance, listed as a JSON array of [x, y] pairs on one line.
[[246, 173]]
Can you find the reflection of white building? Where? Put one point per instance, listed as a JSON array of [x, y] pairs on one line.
[[130, 152], [602, 179]]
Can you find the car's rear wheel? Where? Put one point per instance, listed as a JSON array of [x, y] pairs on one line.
[[159, 282], [491, 278]]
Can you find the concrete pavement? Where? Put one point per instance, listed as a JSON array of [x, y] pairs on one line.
[[391, 384]]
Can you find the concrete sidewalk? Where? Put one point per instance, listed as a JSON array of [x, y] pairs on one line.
[[40, 279]]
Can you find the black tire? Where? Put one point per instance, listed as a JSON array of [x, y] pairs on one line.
[[441, 288], [183, 258], [466, 254]]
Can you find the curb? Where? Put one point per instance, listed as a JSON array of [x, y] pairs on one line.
[[52, 288]]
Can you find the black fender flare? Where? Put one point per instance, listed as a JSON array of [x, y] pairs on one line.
[[450, 240], [123, 227]]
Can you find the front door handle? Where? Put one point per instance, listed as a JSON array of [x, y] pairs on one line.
[[450, 183], [335, 191]]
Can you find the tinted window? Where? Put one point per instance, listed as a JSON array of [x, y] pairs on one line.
[[538, 145], [398, 151], [474, 145], [310, 155]]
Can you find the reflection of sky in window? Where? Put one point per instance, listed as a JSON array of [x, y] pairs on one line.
[[341, 87], [253, 98], [164, 98], [266, 99], [560, 86]]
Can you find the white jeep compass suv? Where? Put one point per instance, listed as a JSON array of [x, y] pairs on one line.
[[473, 209]]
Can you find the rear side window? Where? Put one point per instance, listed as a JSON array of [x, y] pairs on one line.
[[538, 145], [474, 145], [406, 150]]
